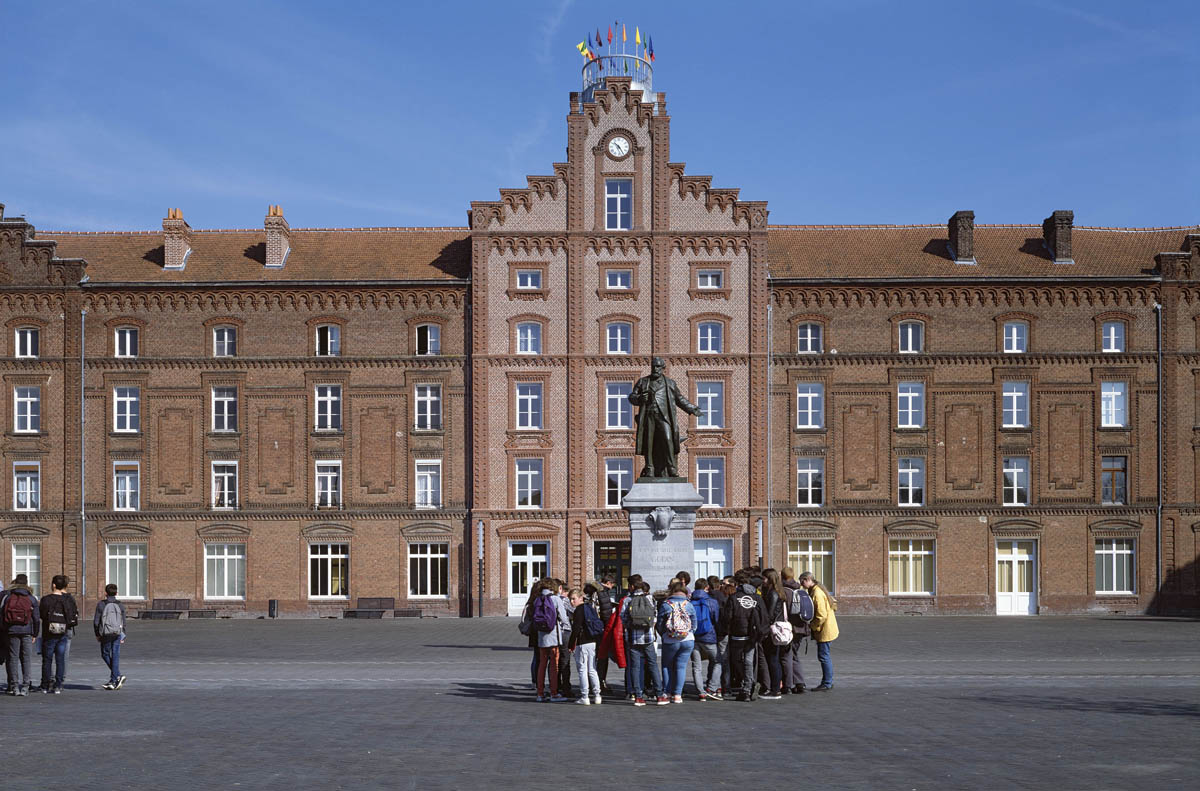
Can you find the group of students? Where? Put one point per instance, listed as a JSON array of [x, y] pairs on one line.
[[748, 628], [46, 627]]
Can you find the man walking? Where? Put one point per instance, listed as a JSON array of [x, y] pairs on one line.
[[60, 615], [19, 613], [109, 625]]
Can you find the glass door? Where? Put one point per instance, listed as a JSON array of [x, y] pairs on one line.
[[527, 563], [1016, 578], [613, 557]]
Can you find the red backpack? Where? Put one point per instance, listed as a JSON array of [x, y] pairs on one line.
[[18, 610]]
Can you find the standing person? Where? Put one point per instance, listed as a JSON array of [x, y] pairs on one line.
[[109, 624], [564, 654], [677, 625], [638, 616], [793, 673], [586, 629], [549, 619], [686, 579], [745, 617], [707, 616], [775, 599], [22, 622], [527, 628], [635, 585], [824, 626], [60, 616], [606, 602]]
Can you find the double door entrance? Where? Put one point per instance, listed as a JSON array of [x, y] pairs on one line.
[[1016, 577]]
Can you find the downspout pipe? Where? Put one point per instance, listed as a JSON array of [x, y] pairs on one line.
[[770, 332], [83, 588], [1158, 456]]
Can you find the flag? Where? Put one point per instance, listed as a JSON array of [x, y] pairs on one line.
[[624, 35], [651, 45], [582, 48], [599, 39], [589, 41], [610, 37], [637, 36]]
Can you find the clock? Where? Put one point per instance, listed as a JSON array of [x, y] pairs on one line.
[[618, 146]]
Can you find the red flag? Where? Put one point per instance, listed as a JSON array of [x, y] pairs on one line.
[[599, 39], [610, 36]]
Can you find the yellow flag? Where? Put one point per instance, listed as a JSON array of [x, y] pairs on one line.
[[624, 38], [582, 47], [637, 36]]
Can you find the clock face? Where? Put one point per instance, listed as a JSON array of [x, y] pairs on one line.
[[618, 146]]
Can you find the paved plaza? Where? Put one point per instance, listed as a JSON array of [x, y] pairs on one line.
[[920, 703]]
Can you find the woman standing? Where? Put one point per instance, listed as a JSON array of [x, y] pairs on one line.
[[775, 597], [824, 626]]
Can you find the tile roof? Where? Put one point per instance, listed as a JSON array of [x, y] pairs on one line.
[[232, 256], [909, 251]]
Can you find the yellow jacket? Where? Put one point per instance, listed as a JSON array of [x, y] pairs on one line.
[[824, 623]]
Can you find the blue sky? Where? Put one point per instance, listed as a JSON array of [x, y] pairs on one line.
[[397, 114]]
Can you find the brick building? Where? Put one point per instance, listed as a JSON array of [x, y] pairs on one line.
[[944, 418]]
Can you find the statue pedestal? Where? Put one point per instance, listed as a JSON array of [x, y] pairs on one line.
[[662, 517]]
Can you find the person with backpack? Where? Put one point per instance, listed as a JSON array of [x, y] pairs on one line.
[[707, 616], [60, 616], [607, 598], [677, 625], [800, 613], [638, 614], [586, 630], [550, 620], [109, 624], [525, 626], [22, 623], [564, 653], [824, 626], [744, 618], [778, 639]]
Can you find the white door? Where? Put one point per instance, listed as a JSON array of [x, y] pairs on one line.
[[526, 565], [1016, 577], [713, 558]]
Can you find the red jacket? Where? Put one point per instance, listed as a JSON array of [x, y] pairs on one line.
[[612, 643]]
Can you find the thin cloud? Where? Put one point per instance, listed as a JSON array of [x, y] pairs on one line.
[[548, 29]]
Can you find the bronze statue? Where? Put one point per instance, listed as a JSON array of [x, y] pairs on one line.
[[657, 395]]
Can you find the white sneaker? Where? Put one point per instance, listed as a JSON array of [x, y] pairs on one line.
[[677, 699], [598, 700], [583, 701]]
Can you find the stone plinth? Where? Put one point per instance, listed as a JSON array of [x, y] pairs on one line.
[[662, 518]]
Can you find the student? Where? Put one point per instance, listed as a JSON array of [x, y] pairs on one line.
[[793, 673], [22, 623], [586, 629], [564, 654], [775, 599], [109, 624], [745, 617], [635, 585], [824, 626], [607, 598], [527, 628], [707, 616], [677, 625], [638, 616], [686, 579], [60, 615], [549, 618]]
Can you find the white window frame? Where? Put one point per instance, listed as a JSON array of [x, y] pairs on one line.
[[810, 338], [530, 410], [810, 482], [618, 470], [910, 405], [427, 479], [338, 551], [27, 409], [224, 341], [808, 554], [620, 218], [1014, 405], [328, 482], [529, 279], [1015, 477], [810, 405], [530, 482], [223, 499], [434, 557], [1111, 551], [331, 344], [327, 407], [134, 556], [529, 337], [27, 483], [127, 497], [910, 482], [27, 343], [1016, 337], [710, 397], [227, 556], [912, 337], [127, 409], [619, 335], [125, 342], [226, 418], [911, 554], [427, 406], [1112, 337], [616, 394], [710, 337], [432, 341], [618, 279], [1114, 405], [27, 560], [710, 279], [710, 480]]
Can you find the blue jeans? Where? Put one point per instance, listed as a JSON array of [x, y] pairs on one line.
[[675, 662], [54, 653], [826, 664], [110, 652], [641, 658]]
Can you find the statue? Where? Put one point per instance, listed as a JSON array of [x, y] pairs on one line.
[[657, 395]]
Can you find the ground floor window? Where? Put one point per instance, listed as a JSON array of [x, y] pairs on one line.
[[224, 571], [712, 557], [910, 566], [329, 571], [428, 570], [127, 570], [27, 560], [1114, 565], [613, 558], [812, 554]]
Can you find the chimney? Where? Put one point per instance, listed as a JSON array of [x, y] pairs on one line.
[[177, 240], [1056, 230], [278, 237], [962, 237]]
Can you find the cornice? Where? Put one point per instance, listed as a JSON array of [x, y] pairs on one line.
[[420, 363], [923, 360], [844, 294], [249, 516], [253, 298], [613, 360], [934, 512]]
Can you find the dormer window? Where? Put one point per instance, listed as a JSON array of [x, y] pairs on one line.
[[618, 204]]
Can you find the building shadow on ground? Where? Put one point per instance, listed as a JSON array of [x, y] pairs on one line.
[[476, 646], [1144, 708], [520, 694]]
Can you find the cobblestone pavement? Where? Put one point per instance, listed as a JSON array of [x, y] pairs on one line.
[[920, 703]]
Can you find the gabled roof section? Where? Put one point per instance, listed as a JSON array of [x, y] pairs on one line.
[[922, 251]]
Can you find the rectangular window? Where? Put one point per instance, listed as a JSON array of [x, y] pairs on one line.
[[710, 481], [126, 564], [912, 337], [808, 338], [224, 342], [1112, 480], [27, 486], [429, 408], [329, 407], [1016, 337], [1114, 565], [910, 566], [1016, 480], [1113, 410], [329, 484], [618, 204], [1015, 405], [710, 397], [27, 560], [329, 340], [617, 409], [428, 570], [1112, 336], [328, 571], [529, 405], [618, 478], [618, 279], [810, 405], [126, 409], [709, 278], [810, 482], [126, 342], [709, 340], [529, 483], [126, 486], [529, 279], [429, 339], [27, 342], [620, 338], [812, 554], [224, 484], [27, 410], [429, 484], [224, 571], [910, 405], [529, 338], [911, 481], [224, 409]]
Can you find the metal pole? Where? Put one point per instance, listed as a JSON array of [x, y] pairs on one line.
[[83, 589], [760, 540], [1158, 457], [769, 434], [479, 554]]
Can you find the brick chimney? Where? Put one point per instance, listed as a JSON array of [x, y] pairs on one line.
[[177, 240], [962, 237], [278, 237], [1056, 230]]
